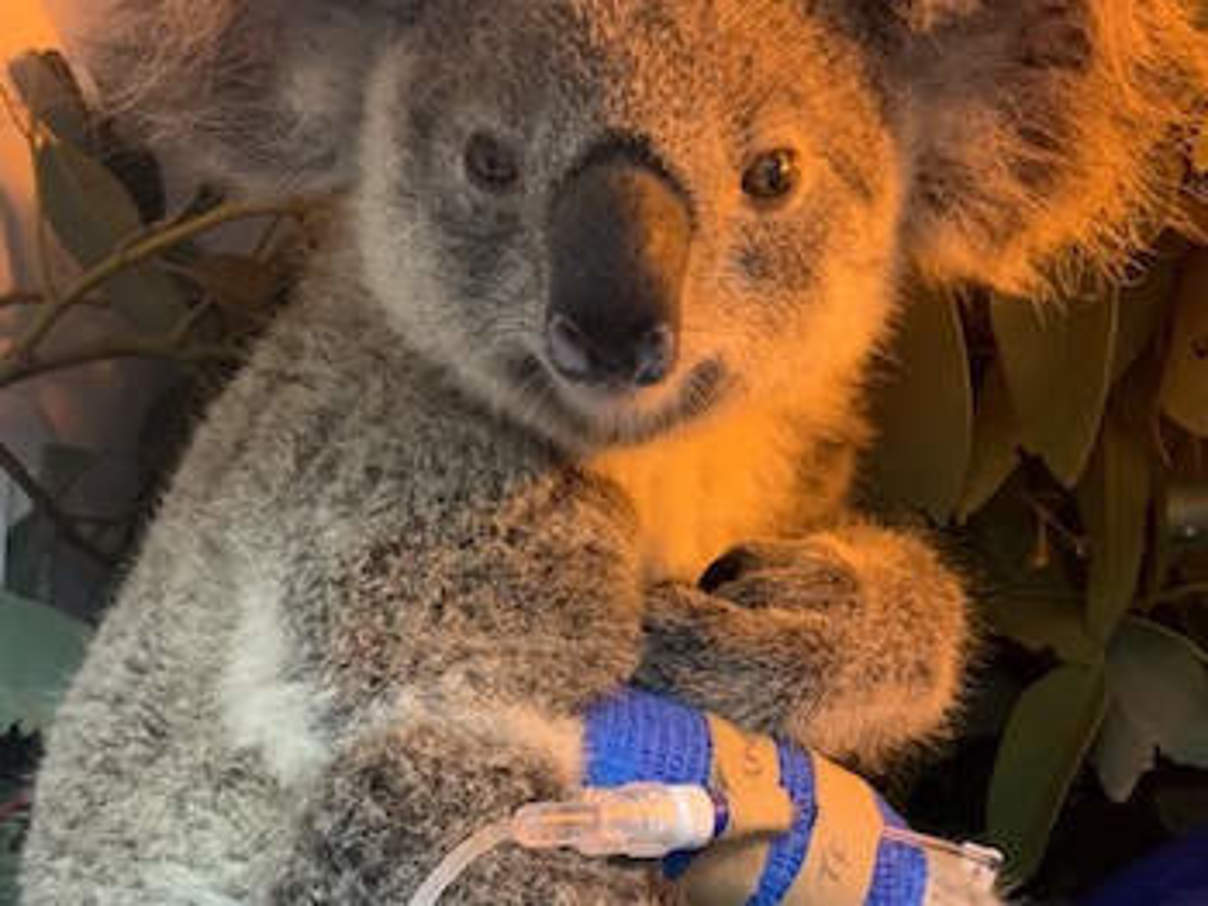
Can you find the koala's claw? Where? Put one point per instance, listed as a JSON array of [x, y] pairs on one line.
[[779, 574]]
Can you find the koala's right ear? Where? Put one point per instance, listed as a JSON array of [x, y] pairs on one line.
[[1042, 133], [259, 94]]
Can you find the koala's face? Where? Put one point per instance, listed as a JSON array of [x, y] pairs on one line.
[[612, 218]]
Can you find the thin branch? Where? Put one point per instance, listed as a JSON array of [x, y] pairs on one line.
[[264, 244], [180, 333], [1048, 518], [16, 299], [46, 505], [153, 241], [20, 298]]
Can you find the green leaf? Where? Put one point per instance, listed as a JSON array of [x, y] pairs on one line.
[[1044, 624], [1160, 679], [1158, 683], [1113, 500], [1046, 739], [92, 214], [996, 437], [1004, 537], [924, 412], [1123, 753], [1184, 393], [1142, 303], [50, 92], [40, 649], [1057, 363]]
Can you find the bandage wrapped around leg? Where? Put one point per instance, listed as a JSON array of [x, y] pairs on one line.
[[793, 829]]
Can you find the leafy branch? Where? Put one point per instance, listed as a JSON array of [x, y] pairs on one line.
[[1064, 447], [178, 299], [21, 360]]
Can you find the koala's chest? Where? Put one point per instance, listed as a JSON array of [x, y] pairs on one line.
[[699, 494]]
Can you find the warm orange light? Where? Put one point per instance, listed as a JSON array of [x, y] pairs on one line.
[[27, 24]]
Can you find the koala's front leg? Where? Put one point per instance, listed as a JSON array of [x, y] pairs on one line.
[[391, 808], [461, 648], [852, 641], [533, 597]]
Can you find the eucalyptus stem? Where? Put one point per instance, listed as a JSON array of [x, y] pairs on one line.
[[8, 300], [152, 242]]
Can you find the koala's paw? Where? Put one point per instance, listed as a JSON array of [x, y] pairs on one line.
[[794, 575], [851, 641]]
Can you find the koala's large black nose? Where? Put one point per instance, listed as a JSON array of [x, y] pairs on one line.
[[644, 359], [620, 236]]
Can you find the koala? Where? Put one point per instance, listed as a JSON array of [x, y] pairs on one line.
[[569, 398]]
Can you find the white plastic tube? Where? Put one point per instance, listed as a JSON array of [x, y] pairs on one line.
[[651, 820], [457, 861], [639, 820]]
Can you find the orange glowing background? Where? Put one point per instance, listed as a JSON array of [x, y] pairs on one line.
[[27, 24]]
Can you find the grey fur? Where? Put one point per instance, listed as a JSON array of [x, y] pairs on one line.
[[400, 557]]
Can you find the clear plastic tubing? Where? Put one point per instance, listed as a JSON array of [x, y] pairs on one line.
[[649, 821]]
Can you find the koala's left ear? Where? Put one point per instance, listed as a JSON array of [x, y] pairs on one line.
[[1038, 128], [259, 94]]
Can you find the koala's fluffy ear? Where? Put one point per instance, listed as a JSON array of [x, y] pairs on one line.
[[1042, 131], [263, 94]]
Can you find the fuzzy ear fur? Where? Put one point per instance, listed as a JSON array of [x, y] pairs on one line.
[[1044, 133], [265, 94]]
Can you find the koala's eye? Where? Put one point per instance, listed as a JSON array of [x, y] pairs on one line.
[[490, 164], [771, 176]]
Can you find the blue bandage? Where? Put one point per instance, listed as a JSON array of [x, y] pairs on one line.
[[636, 736]]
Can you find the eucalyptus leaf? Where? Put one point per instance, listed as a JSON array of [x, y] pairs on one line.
[[1143, 301], [1050, 730], [1160, 680], [1058, 364], [49, 91], [92, 214], [40, 649], [1002, 538], [924, 411], [240, 282], [1123, 753], [1184, 393], [1113, 500], [244, 289], [996, 438], [1044, 624]]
